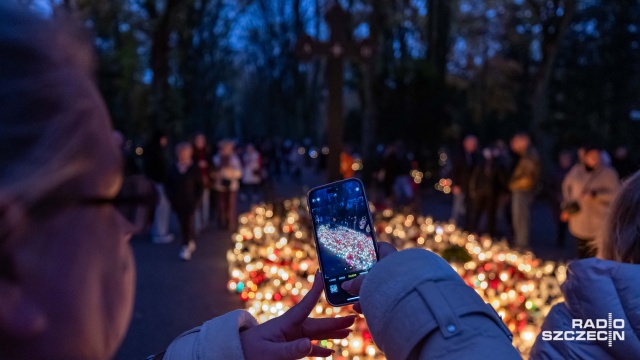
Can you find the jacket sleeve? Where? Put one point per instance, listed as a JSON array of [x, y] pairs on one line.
[[217, 339], [544, 349], [417, 307]]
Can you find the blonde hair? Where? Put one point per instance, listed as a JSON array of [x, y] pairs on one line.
[[46, 93], [621, 238]]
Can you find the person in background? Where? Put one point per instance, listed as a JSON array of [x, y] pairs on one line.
[[252, 172], [295, 163], [522, 185], [202, 160], [184, 189], [504, 165], [605, 287], [67, 270], [286, 148], [588, 190], [559, 173], [130, 165], [402, 191], [464, 163], [270, 169], [483, 193], [346, 163], [388, 173], [228, 170], [156, 167]]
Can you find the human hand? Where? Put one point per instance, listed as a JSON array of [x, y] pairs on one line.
[[289, 336], [353, 286]]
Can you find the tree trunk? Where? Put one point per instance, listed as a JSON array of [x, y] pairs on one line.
[[159, 63], [539, 99], [438, 29], [370, 114], [336, 125]]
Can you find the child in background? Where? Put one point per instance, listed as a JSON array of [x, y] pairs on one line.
[[184, 189]]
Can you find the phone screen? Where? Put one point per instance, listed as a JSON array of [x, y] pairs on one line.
[[345, 237]]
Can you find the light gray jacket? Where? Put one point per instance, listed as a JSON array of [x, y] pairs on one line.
[[217, 339], [418, 307], [604, 183]]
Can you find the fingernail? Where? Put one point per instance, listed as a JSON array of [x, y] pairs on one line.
[[346, 286]]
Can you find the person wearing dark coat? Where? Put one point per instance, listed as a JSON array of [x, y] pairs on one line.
[[184, 189], [463, 164], [155, 157], [202, 159], [484, 187], [156, 167], [559, 172]]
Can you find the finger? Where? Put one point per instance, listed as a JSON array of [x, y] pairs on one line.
[[291, 350], [301, 311], [332, 335], [312, 327], [318, 351], [385, 249], [353, 286], [357, 308]]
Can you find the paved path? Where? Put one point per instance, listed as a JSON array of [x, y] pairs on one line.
[[173, 296]]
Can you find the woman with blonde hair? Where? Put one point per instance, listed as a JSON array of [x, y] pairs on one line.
[[67, 271], [228, 169]]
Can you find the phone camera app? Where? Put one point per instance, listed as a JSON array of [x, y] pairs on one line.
[[343, 230]]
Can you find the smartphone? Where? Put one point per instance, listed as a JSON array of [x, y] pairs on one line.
[[344, 234]]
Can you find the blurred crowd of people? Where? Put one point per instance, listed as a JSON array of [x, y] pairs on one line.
[[486, 181], [494, 188], [201, 182], [196, 175]]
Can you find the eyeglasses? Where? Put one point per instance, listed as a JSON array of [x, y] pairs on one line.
[[136, 202]]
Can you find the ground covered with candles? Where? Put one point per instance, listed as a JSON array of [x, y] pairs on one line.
[[273, 261]]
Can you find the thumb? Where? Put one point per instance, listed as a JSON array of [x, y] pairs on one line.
[[292, 350], [353, 286]]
